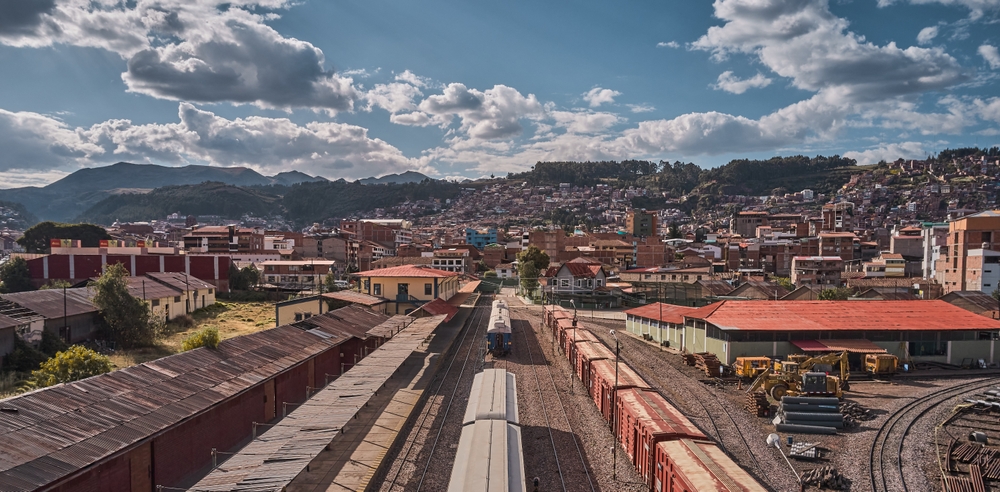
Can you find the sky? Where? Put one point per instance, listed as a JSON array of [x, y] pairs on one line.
[[358, 88]]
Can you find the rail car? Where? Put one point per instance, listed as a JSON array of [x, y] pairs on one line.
[[499, 333], [489, 456]]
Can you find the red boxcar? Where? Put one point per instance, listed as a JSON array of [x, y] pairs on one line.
[[602, 383], [584, 353], [568, 337], [645, 418], [562, 324], [689, 465]]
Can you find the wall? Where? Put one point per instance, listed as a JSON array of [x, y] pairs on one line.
[[82, 327]]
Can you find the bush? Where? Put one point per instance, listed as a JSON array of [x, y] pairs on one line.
[[51, 344], [207, 337], [183, 321], [73, 364], [24, 357]]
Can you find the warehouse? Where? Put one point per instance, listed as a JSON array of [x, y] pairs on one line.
[[920, 331], [156, 423]]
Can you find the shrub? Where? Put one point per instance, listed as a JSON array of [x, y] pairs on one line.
[[75, 363], [184, 321], [24, 357], [207, 337], [52, 344]]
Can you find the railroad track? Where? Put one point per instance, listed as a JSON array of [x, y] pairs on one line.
[[660, 384], [523, 326], [476, 324], [888, 442]]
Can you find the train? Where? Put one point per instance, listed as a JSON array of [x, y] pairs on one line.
[[489, 456], [665, 447], [499, 333]]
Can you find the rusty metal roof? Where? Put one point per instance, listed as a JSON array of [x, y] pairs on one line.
[[276, 457], [439, 306], [406, 271], [348, 321], [180, 281], [706, 467], [668, 313], [854, 346], [8, 322], [49, 302], [59, 430], [145, 288], [355, 297], [971, 300], [656, 416], [593, 350], [627, 378], [389, 327], [580, 335], [840, 315]]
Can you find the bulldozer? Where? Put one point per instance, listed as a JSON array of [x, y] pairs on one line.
[[751, 367], [805, 377]]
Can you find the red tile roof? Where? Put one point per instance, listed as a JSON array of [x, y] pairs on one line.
[[840, 315], [439, 306], [406, 271], [672, 313]]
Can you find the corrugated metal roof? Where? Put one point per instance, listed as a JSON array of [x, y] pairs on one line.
[[841, 315], [277, 456], [348, 321], [180, 281], [406, 271], [627, 378], [656, 416], [971, 300], [439, 307], [671, 313], [854, 346], [80, 423], [49, 303], [355, 297]]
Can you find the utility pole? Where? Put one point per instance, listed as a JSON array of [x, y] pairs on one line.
[[614, 415]]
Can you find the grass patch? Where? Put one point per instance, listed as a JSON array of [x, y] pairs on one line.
[[231, 318]]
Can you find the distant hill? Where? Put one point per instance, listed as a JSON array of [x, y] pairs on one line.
[[64, 199], [208, 198], [407, 177], [15, 216]]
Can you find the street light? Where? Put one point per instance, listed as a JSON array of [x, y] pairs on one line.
[[614, 415], [774, 440]]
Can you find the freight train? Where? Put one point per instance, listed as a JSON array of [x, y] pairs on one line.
[[489, 456], [667, 449]]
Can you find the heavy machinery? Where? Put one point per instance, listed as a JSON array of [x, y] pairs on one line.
[[881, 364], [805, 376], [751, 367]]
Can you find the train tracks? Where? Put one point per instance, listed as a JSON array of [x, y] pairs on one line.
[[570, 462], [408, 464], [886, 470]]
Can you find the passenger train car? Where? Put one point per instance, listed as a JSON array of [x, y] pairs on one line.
[[499, 334], [489, 457]]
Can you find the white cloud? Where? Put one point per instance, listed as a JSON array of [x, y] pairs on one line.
[[598, 96], [804, 41], [205, 51], [491, 114], [414, 79], [394, 97], [641, 108], [976, 7], [889, 153], [730, 83], [927, 34], [668, 44], [991, 55], [35, 142], [585, 121]]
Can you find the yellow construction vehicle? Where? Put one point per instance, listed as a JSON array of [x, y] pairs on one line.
[[881, 364], [809, 377], [751, 367]]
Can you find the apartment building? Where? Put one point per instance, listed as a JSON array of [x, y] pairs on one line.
[[817, 270], [977, 231]]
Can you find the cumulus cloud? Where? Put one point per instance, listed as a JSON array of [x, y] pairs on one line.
[[598, 96], [21, 17], [491, 114], [803, 41], [991, 55], [889, 153], [927, 34], [394, 97], [585, 121], [976, 7], [668, 44], [730, 83], [38, 142], [205, 51]]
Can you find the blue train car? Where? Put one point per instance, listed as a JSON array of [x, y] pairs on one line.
[[498, 334]]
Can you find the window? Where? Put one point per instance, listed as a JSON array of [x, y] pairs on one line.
[[376, 289], [210, 291], [155, 302], [428, 289], [403, 289], [177, 298]]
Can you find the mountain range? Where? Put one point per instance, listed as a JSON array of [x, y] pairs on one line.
[[65, 199]]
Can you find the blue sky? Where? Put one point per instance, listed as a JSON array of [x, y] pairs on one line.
[[452, 88]]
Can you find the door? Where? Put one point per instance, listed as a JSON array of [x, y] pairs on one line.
[[269, 404], [312, 374], [141, 468]]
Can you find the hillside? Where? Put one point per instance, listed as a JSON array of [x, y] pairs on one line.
[[209, 198], [403, 178], [743, 176], [15, 216], [64, 199]]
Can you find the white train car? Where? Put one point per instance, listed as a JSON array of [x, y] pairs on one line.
[[499, 334], [489, 457]]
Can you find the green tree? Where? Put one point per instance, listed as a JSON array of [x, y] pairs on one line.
[[536, 256], [835, 294], [15, 276], [56, 284], [127, 319], [490, 274], [207, 337], [236, 280], [785, 283], [330, 283], [251, 276], [38, 237], [528, 273], [73, 364]]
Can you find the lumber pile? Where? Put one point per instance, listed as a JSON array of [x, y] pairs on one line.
[[758, 405], [708, 362], [688, 358], [826, 477]]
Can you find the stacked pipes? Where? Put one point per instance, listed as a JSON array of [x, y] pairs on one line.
[[809, 415]]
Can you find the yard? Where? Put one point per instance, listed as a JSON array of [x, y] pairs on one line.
[[230, 318]]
